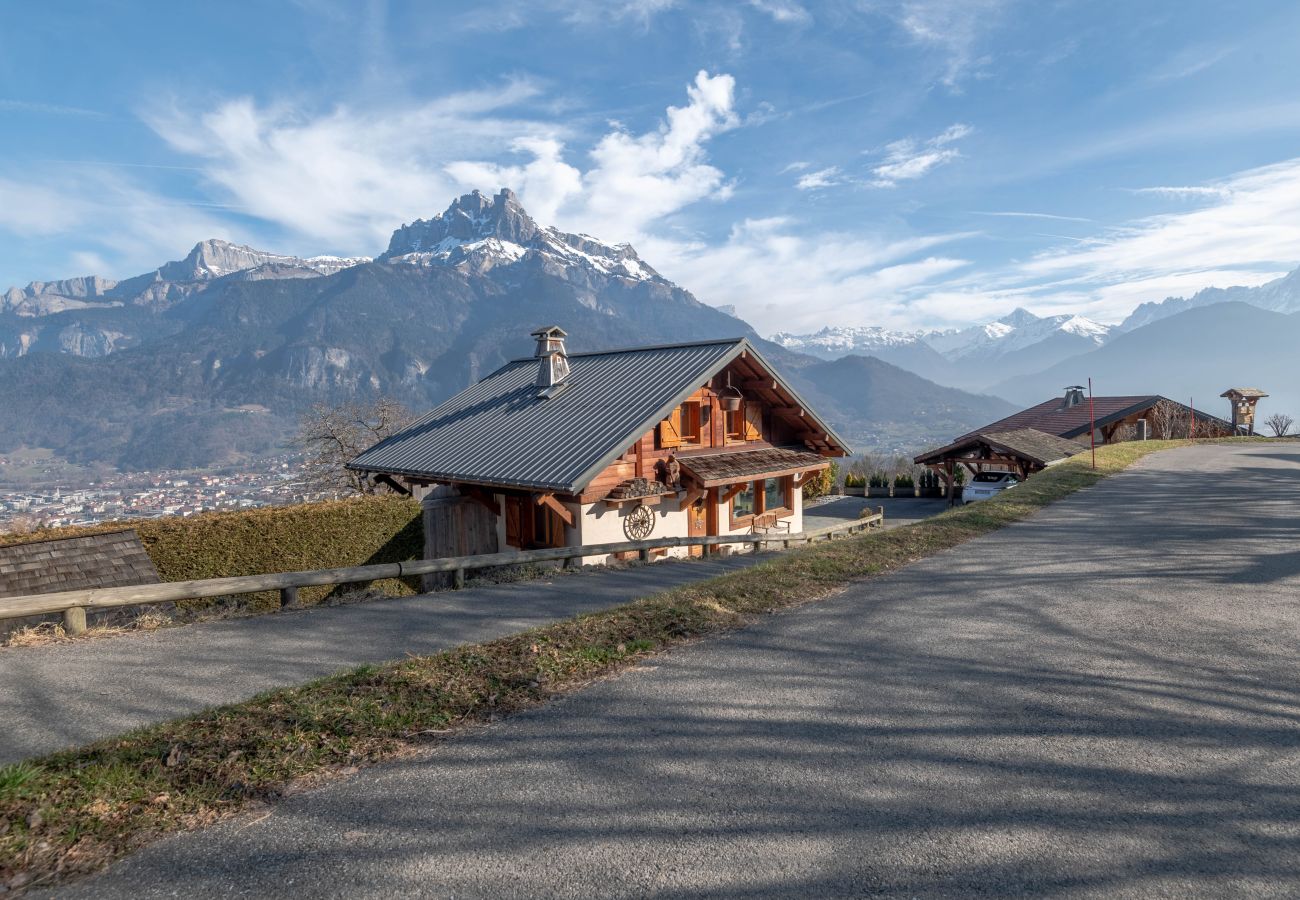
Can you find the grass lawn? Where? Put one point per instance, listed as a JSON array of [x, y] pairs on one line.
[[73, 812]]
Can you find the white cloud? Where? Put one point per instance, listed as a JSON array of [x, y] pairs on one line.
[[1190, 192], [1013, 214], [636, 180], [909, 159], [822, 178], [107, 224], [781, 275], [347, 177], [784, 11], [1247, 233], [955, 28]]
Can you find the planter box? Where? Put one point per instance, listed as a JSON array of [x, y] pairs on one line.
[[904, 491], [931, 492], [877, 492], [855, 491]]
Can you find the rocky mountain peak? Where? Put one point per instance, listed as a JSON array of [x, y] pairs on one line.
[[1019, 318], [470, 217], [478, 233]]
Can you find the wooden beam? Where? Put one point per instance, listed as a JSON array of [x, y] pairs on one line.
[[397, 486], [795, 411], [689, 499], [733, 491], [757, 384], [557, 507]]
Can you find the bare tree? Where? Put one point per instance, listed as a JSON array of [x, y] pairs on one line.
[[332, 436], [1169, 421], [1279, 424]]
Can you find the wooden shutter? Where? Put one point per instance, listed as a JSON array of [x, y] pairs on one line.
[[670, 430], [753, 422]]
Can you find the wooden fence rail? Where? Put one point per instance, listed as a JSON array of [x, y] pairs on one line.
[[73, 604]]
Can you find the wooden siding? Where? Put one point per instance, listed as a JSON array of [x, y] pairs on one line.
[[766, 418]]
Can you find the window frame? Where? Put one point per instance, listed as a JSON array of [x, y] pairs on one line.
[[760, 501]]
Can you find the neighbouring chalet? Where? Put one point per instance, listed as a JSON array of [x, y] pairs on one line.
[[590, 448], [1051, 432]]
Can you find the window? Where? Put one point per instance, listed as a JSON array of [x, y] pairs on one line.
[[685, 426], [742, 504], [692, 423], [762, 496], [774, 495], [735, 426]]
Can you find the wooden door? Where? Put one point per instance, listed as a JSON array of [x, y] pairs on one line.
[[515, 536]]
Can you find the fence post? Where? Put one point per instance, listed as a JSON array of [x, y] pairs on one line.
[[74, 620], [289, 598], [457, 579], [643, 555]]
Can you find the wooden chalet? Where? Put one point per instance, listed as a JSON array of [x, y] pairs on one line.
[[1117, 418], [1031, 440], [566, 449]]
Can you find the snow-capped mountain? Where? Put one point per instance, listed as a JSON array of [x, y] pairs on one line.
[[835, 341], [1017, 330], [1280, 295], [478, 233], [93, 316], [208, 261], [1019, 341]]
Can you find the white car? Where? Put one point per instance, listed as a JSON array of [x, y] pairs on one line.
[[988, 484]]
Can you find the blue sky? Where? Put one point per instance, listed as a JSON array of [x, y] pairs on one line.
[[910, 163]]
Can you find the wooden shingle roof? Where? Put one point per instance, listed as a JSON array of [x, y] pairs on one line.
[[112, 559], [714, 469], [1027, 444]]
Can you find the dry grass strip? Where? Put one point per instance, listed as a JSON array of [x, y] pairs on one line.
[[73, 812]]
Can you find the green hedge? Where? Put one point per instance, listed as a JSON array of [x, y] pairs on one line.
[[274, 539]]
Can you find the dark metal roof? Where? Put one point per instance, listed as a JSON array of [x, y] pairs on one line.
[[1054, 417], [1026, 443], [111, 559], [499, 432], [713, 469]]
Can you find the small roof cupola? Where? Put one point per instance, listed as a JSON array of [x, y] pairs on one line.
[[552, 360], [1074, 395]]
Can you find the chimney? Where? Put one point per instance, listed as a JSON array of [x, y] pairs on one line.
[[552, 361], [1074, 395]]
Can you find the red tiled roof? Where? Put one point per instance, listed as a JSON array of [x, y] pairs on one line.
[[1053, 417]]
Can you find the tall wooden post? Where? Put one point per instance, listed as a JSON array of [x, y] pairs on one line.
[[952, 496]]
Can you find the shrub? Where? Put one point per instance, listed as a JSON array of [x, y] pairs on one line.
[[303, 536], [903, 480], [820, 483], [879, 479]]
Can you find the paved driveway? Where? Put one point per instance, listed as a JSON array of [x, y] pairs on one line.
[[898, 511], [1102, 701], [65, 695]]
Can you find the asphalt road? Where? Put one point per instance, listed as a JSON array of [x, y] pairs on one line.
[[1102, 701], [65, 695]]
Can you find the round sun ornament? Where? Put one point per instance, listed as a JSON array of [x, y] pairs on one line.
[[639, 523]]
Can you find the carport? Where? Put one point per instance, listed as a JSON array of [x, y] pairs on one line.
[[1022, 452]]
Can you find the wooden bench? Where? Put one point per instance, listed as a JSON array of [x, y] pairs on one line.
[[768, 522]]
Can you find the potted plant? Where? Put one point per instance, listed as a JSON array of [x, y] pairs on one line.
[[878, 485], [855, 485], [904, 486]]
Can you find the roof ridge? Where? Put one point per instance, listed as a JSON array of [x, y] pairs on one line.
[[643, 348]]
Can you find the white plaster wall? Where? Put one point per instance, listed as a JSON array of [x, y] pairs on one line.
[[603, 524]]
